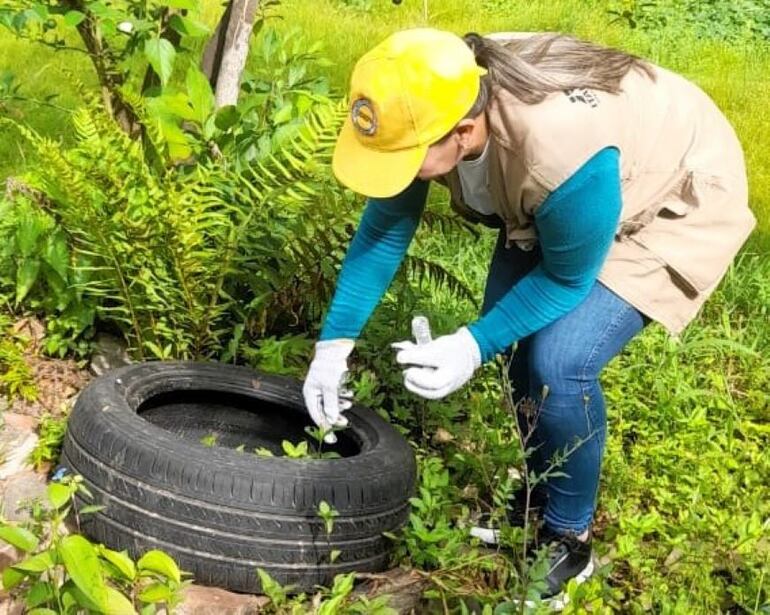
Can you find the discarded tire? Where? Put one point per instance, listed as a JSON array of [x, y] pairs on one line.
[[135, 436]]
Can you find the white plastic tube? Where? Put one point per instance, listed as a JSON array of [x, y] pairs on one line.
[[421, 330]]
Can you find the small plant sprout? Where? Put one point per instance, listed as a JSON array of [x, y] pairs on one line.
[[209, 441], [51, 435], [298, 451], [318, 434], [327, 513]]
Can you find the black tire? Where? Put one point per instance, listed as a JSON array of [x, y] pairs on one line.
[[134, 435]]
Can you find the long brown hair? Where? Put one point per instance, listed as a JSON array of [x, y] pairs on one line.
[[532, 67]]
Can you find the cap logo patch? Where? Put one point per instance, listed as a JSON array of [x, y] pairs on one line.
[[363, 117]]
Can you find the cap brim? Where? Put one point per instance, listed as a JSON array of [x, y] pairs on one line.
[[373, 172]]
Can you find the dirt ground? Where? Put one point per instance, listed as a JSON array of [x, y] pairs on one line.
[[58, 381]]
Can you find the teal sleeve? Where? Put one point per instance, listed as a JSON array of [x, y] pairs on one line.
[[576, 225], [378, 247]]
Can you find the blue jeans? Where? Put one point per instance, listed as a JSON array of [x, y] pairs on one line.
[[567, 357]]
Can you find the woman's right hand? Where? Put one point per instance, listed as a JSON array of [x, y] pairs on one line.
[[324, 396]]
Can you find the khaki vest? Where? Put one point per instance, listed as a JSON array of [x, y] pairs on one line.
[[684, 190]]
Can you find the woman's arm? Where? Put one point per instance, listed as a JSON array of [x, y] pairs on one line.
[[378, 247], [576, 225]]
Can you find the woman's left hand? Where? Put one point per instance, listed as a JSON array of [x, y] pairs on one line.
[[439, 367]]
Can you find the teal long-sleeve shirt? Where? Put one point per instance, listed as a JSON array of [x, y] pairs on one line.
[[575, 226]]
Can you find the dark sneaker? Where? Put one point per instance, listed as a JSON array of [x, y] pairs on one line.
[[568, 558], [487, 529]]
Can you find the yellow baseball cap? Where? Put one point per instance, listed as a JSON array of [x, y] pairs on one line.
[[405, 94]]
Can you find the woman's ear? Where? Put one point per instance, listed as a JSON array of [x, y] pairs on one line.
[[464, 131]]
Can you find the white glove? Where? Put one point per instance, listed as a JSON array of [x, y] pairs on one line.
[[441, 366], [324, 396]]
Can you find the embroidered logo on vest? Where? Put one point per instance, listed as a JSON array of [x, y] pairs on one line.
[[583, 95]]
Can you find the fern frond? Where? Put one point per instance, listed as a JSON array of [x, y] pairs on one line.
[[422, 270], [447, 223]]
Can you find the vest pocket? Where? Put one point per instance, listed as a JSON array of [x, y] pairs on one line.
[[698, 235], [647, 194]]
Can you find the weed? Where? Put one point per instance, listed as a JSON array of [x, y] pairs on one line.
[[209, 440], [51, 431], [66, 573], [338, 600], [16, 377]]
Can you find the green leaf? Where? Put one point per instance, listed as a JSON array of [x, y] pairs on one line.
[[12, 577], [71, 595], [186, 26], [343, 585], [26, 276], [175, 138], [73, 18], [227, 117], [118, 604], [120, 560], [209, 440], [40, 592], [19, 537], [200, 94], [148, 609], [191, 5], [82, 565], [59, 494], [28, 232], [160, 563], [83, 490], [272, 588], [209, 127], [178, 145], [42, 611], [283, 114], [295, 452], [56, 253], [157, 592], [37, 563], [177, 104], [160, 53], [39, 11], [91, 509]]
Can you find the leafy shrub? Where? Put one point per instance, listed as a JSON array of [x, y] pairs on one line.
[[126, 42], [35, 259], [51, 431], [339, 600], [16, 377], [282, 84], [164, 256], [728, 20], [67, 574]]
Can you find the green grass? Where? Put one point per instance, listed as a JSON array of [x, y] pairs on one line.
[[41, 73]]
